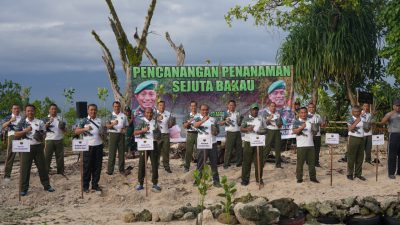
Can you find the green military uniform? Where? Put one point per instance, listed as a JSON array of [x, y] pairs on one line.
[[10, 154], [117, 142], [54, 144], [164, 143], [273, 136], [355, 149], [316, 120], [233, 138], [191, 140], [153, 154], [250, 153], [305, 150], [36, 154]]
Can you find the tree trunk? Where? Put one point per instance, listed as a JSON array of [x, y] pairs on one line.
[[180, 51], [350, 94], [315, 86]]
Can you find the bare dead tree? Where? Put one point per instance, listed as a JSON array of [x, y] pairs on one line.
[[179, 51]]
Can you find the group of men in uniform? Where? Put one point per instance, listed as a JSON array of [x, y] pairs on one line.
[[46, 138]]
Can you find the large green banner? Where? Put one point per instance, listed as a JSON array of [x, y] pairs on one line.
[[214, 86]]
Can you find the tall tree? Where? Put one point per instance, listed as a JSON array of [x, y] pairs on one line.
[[391, 18], [130, 55], [328, 39]]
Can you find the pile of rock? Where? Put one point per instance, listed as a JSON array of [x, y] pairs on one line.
[[391, 208], [342, 209]]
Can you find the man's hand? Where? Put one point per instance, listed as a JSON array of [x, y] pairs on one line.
[[205, 118], [28, 129], [145, 129], [87, 128], [13, 118]]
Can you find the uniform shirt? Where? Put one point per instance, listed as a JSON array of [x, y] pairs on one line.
[[94, 139], [144, 122], [163, 123], [272, 125], [305, 137], [122, 122], [11, 127], [55, 132], [367, 117], [233, 125], [394, 123], [205, 128], [358, 131], [37, 126], [139, 112], [257, 122], [189, 117], [315, 118]]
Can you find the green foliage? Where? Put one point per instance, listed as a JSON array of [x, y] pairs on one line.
[[70, 119], [384, 94], [390, 16], [282, 13], [42, 107], [203, 183], [10, 93], [102, 94], [334, 106], [229, 190]]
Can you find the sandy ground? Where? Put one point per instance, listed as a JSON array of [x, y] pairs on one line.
[[65, 206]]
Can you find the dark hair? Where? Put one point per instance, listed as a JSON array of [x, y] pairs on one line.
[[233, 101], [205, 106], [311, 104], [271, 103], [53, 104], [297, 103], [193, 102], [30, 105], [303, 108], [116, 102], [356, 107], [161, 102], [15, 105], [92, 105]]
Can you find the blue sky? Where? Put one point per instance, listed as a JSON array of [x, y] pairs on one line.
[[47, 45]]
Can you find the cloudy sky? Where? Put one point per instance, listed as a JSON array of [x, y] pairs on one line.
[[47, 45]]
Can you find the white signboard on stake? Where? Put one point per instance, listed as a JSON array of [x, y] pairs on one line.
[[80, 145], [257, 140], [378, 139], [144, 144], [332, 138], [21, 145]]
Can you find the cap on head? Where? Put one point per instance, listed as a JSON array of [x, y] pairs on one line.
[[396, 102], [279, 84], [146, 85], [254, 105]]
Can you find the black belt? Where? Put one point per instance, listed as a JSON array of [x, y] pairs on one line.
[[193, 132]]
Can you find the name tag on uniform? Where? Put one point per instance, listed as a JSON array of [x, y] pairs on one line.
[[204, 142], [79, 145], [144, 144], [21, 145], [257, 140], [332, 138], [378, 139]]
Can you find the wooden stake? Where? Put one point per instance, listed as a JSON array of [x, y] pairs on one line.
[[81, 162], [145, 175], [20, 177], [377, 162], [258, 167], [331, 153]]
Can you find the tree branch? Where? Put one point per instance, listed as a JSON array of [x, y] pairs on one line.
[[180, 51], [146, 51], [110, 66], [143, 38]]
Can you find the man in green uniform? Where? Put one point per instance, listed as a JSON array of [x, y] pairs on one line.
[[251, 125], [274, 122], [305, 146], [232, 121], [116, 129], [33, 130], [355, 147], [164, 120], [145, 128], [316, 123], [9, 124], [191, 136], [55, 129]]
